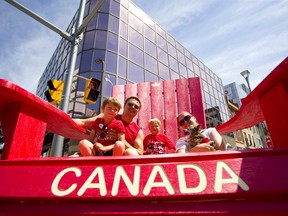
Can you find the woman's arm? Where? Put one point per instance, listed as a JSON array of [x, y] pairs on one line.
[[203, 147], [180, 151], [218, 141], [181, 145]]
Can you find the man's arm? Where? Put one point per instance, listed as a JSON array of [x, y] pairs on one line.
[[138, 142], [138, 145], [88, 122]]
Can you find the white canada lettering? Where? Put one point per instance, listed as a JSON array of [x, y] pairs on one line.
[[88, 184], [151, 181], [133, 188], [133, 185], [182, 180], [54, 187], [220, 180]]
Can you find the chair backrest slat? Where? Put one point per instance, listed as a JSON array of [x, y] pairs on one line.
[[144, 114], [156, 89], [170, 111], [196, 96]]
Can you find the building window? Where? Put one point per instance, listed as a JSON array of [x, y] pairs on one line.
[[150, 48], [112, 42], [101, 38], [151, 64], [135, 73], [135, 54]]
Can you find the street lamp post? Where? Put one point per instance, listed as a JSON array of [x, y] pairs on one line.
[[101, 61], [246, 74]]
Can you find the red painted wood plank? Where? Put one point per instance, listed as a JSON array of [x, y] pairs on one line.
[[182, 92], [263, 207], [170, 112], [145, 111], [197, 176], [130, 90], [23, 132], [156, 89], [196, 99], [119, 93]]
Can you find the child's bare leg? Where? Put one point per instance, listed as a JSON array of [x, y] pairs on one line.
[[86, 148], [119, 148]]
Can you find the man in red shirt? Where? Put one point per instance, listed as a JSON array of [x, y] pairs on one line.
[[133, 133]]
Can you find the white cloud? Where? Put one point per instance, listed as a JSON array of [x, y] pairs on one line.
[[27, 45], [227, 36]]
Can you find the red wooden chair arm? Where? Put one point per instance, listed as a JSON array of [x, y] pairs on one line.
[[25, 118]]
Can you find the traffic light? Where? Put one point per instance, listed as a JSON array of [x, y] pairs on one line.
[[54, 94], [91, 92]]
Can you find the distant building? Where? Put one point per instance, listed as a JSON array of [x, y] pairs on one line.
[[249, 137]]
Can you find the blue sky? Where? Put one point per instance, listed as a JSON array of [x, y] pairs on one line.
[[228, 36]]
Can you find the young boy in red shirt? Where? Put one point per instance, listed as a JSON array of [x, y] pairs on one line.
[[100, 144], [156, 143]]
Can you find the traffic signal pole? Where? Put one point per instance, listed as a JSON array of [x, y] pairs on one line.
[[58, 141], [75, 38]]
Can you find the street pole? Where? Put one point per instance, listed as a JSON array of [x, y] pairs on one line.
[[58, 141], [102, 62], [246, 74], [75, 38]]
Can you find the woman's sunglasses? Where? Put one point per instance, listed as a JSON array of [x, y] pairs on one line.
[[133, 105], [185, 119]]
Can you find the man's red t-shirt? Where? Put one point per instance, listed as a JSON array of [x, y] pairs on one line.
[[131, 130]]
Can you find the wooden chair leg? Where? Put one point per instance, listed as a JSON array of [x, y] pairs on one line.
[[26, 125]]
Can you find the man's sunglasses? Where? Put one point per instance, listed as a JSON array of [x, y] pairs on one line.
[[185, 119], [133, 105]]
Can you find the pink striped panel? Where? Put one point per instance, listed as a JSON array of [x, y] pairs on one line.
[[182, 93], [170, 112], [144, 113], [118, 92], [156, 89], [196, 98]]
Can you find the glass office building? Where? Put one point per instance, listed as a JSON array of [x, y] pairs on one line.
[[134, 49]]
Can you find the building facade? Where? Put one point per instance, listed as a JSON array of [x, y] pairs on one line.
[[248, 137], [133, 49]]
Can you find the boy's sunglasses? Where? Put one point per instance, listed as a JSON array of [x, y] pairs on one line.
[[185, 119], [133, 105]]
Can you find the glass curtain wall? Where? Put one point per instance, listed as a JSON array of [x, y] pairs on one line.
[[134, 49]]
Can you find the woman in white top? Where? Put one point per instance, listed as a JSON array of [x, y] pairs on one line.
[[188, 121]]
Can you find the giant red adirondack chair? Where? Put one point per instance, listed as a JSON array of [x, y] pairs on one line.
[[214, 183]]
